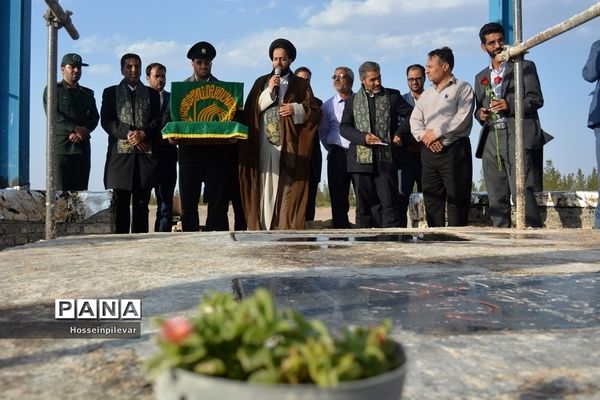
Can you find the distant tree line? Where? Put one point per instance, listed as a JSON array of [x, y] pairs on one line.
[[555, 181]]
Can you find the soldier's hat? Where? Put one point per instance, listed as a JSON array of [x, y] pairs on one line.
[[203, 50], [283, 44], [73, 59]]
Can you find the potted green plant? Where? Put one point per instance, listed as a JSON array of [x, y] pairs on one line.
[[251, 350]]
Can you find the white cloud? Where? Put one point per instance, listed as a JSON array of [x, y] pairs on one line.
[[304, 11], [101, 69], [357, 13], [94, 44], [151, 49]]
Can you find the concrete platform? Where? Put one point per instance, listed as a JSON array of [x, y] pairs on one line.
[[482, 313]]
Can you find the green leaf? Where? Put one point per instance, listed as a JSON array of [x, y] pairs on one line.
[[213, 367]]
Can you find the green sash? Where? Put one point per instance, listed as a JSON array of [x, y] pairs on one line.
[[271, 123], [362, 122]]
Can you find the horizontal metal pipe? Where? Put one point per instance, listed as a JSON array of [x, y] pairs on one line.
[[63, 17], [573, 22]]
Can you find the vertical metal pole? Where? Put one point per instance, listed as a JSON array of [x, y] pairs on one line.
[[519, 152], [56, 18], [50, 121]]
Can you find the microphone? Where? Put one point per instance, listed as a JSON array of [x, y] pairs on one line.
[[276, 88]]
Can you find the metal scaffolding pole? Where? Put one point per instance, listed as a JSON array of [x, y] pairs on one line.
[[519, 152], [55, 18], [516, 52], [566, 25]]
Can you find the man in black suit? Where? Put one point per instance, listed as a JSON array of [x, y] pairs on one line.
[[212, 165], [495, 109], [130, 114], [166, 174], [370, 123]]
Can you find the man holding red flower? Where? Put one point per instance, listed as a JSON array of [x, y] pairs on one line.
[[495, 105]]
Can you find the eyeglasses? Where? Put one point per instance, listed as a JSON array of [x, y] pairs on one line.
[[339, 77], [414, 79], [499, 42]]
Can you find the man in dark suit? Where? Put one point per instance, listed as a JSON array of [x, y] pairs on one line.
[[166, 174], [316, 158], [130, 114], [370, 123], [495, 108], [408, 155]]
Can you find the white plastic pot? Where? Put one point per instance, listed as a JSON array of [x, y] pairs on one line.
[[185, 385]]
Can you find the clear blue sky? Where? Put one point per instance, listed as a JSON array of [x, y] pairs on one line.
[[327, 34]]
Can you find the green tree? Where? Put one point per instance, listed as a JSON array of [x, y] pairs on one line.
[[591, 183], [554, 180], [322, 199], [552, 177]]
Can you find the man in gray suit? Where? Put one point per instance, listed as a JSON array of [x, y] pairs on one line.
[[591, 73], [495, 110]]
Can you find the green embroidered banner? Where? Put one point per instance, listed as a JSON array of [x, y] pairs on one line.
[[205, 110]]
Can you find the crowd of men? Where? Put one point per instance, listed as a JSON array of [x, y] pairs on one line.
[[380, 142]]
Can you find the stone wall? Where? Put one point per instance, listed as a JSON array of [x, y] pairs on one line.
[[23, 215], [558, 209]]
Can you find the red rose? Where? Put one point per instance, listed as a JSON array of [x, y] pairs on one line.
[[497, 80], [176, 330], [485, 81]]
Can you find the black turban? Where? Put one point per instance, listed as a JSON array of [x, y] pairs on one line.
[[283, 44]]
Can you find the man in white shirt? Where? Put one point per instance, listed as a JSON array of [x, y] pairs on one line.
[[442, 120]]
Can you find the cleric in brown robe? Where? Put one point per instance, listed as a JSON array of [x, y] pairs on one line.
[[282, 116]]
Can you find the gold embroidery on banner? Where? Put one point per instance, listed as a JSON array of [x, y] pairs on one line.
[[222, 108]]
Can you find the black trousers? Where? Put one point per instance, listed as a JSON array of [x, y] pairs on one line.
[[314, 177], [447, 178], [377, 199], [166, 179], [138, 198], [217, 180], [73, 172], [339, 180]]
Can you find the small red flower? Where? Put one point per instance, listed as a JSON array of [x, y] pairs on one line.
[[176, 330], [485, 81], [497, 80]]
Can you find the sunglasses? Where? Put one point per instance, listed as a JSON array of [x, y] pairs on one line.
[[339, 77]]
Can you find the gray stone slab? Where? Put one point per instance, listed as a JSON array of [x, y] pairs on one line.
[[550, 275], [442, 303]]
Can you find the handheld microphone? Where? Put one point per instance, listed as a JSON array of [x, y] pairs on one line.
[[276, 88]]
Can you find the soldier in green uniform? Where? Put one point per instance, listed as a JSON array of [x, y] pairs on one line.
[[77, 116]]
